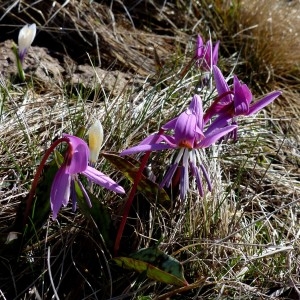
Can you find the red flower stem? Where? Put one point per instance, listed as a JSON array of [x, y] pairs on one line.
[[37, 176], [128, 204], [187, 67]]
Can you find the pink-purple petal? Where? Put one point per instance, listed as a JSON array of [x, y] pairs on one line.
[[242, 97], [170, 125], [215, 135], [196, 173], [77, 154], [199, 47], [170, 140], [145, 148], [197, 109], [169, 175], [184, 181], [263, 102], [221, 85], [79, 160], [22, 53], [73, 195], [208, 55], [103, 180], [185, 128], [215, 53], [85, 194], [60, 191], [206, 176], [151, 139], [220, 122]]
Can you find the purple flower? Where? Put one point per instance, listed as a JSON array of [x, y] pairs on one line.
[[231, 104], [206, 55], [76, 162], [188, 137]]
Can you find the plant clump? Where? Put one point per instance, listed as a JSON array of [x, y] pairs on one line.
[[189, 185]]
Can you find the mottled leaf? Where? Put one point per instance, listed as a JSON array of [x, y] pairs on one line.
[[98, 213], [129, 167], [40, 207], [156, 264]]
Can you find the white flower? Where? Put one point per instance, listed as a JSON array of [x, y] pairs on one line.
[[25, 39], [11, 236], [95, 140]]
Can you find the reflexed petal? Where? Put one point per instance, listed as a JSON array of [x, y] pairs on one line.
[[219, 122], [208, 55], [199, 47], [196, 107], [186, 130], [151, 139], [73, 196], [216, 108], [263, 102], [184, 176], [60, 191], [103, 180], [186, 158], [234, 134], [211, 54], [206, 176], [170, 125], [78, 156], [145, 148], [170, 140], [79, 160], [85, 194], [76, 141], [184, 181], [212, 137], [196, 173], [215, 53], [221, 85], [169, 175], [242, 97], [179, 155]]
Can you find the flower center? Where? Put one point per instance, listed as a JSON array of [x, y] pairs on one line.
[[185, 144]]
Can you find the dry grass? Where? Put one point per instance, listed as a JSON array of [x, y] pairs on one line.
[[241, 240], [262, 35]]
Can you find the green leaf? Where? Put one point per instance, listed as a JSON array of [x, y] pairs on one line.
[[129, 167], [80, 132], [99, 214], [41, 209], [41, 205], [156, 264]]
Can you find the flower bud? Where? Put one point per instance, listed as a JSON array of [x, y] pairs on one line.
[[95, 134], [25, 39]]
